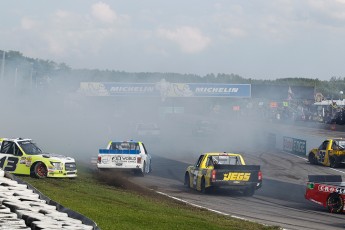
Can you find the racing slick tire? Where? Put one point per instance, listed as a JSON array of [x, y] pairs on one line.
[[202, 186], [335, 203], [39, 170], [333, 162], [249, 191], [141, 171], [312, 159], [186, 180]]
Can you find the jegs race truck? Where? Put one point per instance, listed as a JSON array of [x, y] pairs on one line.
[[327, 191], [123, 156], [330, 153], [22, 156], [228, 170]]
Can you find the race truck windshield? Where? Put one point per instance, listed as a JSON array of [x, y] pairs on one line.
[[227, 160], [30, 148]]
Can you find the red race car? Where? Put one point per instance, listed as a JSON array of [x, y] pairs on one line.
[[326, 190]]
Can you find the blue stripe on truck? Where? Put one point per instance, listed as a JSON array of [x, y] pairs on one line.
[[116, 151]]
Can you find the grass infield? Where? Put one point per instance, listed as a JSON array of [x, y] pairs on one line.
[[115, 203]]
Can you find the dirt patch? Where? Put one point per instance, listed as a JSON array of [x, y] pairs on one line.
[[122, 180]]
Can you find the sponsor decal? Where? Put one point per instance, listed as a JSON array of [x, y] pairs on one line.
[[331, 189], [118, 159], [22, 160], [28, 161], [236, 176]]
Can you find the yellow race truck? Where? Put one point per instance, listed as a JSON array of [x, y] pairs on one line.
[[330, 153], [214, 170]]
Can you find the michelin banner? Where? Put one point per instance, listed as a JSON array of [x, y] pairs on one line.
[[165, 89]]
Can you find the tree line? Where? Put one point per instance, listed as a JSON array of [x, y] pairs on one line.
[[27, 73]]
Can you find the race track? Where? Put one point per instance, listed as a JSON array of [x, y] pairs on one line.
[[279, 202]]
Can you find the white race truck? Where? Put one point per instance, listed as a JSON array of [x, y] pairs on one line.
[[125, 156]]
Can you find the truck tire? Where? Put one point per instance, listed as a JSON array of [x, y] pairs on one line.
[[187, 180], [333, 162], [335, 203], [202, 186], [249, 191], [39, 170], [141, 172], [312, 159]]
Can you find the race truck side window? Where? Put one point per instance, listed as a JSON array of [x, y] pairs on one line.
[[323, 146], [17, 151], [7, 147], [197, 165]]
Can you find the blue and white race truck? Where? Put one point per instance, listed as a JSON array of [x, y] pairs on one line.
[[125, 156]]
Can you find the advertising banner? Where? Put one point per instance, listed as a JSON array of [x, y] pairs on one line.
[[165, 89], [294, 146]]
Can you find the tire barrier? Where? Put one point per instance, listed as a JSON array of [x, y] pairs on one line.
[[24, 207]]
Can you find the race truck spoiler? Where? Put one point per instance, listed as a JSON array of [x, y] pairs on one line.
[[118, 151], [326, 190]]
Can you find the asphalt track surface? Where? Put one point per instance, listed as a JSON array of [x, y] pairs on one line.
[[279, 202]]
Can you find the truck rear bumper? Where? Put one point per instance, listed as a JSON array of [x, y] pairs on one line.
[[233, 185]]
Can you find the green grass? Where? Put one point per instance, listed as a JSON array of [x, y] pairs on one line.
[[117, 208]]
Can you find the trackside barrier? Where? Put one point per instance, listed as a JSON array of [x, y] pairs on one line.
[[24, 207], [294, 146], [293, 142]]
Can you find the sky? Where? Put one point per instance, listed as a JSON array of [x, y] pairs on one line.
[[268, 39]]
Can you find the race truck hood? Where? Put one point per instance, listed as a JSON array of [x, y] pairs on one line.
[[58, 157]]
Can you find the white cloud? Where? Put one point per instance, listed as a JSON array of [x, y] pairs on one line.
[[28, 24], [189, 39], [103, 12]]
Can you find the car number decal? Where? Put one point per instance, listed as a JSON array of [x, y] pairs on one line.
[[11, 163]]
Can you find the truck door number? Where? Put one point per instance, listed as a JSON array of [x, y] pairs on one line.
[[322, 156], [11, 163]]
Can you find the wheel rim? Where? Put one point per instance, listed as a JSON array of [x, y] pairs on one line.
[[334, 203], [41, 170]]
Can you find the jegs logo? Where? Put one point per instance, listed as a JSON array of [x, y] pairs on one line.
[[235, 176]]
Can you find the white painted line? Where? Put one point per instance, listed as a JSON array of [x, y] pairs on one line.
[[337, 170], [307, 159], [195, 205], [208, 209]]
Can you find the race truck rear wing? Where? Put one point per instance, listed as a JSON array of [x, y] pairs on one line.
[[324, 178], [118, 151]]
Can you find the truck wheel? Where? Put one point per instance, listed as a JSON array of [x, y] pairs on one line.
[[335, 203], [40, 170], [202, 186], [249, 192], [332, 162], [143, 171], [311, 158], [186, 180]]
